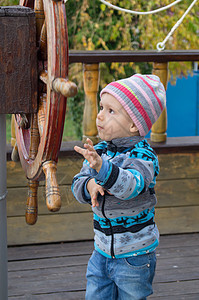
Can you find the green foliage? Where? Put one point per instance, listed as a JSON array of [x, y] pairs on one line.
[[75, 107], [93, 25], [8, 2]]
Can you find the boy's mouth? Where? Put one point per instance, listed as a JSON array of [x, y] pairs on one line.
[[99, 127]]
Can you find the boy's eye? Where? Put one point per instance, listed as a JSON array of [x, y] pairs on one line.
[[111, 111], [101, 107]]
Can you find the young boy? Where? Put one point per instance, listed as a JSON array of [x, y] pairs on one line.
[[118, 179]]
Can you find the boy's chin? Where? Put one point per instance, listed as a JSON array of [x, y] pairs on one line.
[[104, 137]]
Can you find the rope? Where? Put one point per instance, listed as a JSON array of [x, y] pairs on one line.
[[140, 12], [161, 45]]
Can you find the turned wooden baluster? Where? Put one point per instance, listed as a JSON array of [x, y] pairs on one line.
[[91, 86], [32, 202], [53, 198], [158, 132]]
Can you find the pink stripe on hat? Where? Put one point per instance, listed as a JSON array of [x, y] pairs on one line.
[[161, 89], [159, 102], [146, 97], [134, 100]]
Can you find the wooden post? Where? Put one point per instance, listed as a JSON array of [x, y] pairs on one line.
[[91, 86], [3, 213], [158, 132]]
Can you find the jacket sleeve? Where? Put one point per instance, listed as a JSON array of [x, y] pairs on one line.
[[132, 178], [79, 183], [80, 180]]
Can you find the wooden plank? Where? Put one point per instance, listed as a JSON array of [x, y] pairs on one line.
[[174, 166], [176, 251], [176, 276], [78, 226], [175, 246], [179, 263], [49, 250], [181, 240], [174, 193], [59, 263], [16, 202], [67, 278], [177, 219], [66, 170], [172, 264], [179, 192], [185, 296], [33, 281], [180, 165], [56, 228], [80, 295], [176, 288]]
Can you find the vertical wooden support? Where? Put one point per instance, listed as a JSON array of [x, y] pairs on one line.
[[91, 86], [158, 132], [3, 212]]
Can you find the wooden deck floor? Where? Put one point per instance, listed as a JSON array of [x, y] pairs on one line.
[[57, 271]]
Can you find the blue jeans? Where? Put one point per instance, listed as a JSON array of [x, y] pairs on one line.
[[120, 279]]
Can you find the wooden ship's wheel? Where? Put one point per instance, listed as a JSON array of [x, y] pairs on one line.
[[39, 135]]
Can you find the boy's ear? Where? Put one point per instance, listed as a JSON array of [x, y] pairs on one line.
[[134, 129]]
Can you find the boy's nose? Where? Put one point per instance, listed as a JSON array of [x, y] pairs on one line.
[[100, 115]]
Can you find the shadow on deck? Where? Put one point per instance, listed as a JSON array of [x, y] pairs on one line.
[[57, 271]]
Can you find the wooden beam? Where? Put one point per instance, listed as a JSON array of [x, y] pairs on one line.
[[132, 56]]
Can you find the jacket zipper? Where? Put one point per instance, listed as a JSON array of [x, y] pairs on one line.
[[111, 228]]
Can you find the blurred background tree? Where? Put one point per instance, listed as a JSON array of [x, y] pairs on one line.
[[94, 26]]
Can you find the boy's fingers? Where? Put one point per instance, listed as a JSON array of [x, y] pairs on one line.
[[79, 150], [101, 191], [89, 142], [89, 147], [95, 203]]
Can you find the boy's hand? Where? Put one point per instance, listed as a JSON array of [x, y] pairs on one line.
[[93, 189], [90, 155]]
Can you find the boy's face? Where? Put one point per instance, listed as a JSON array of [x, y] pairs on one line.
[[113, 121]]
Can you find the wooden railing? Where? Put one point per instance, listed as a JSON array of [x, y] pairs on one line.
[[91, 61]]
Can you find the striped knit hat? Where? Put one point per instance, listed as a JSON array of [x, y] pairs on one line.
[[142, 96]]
